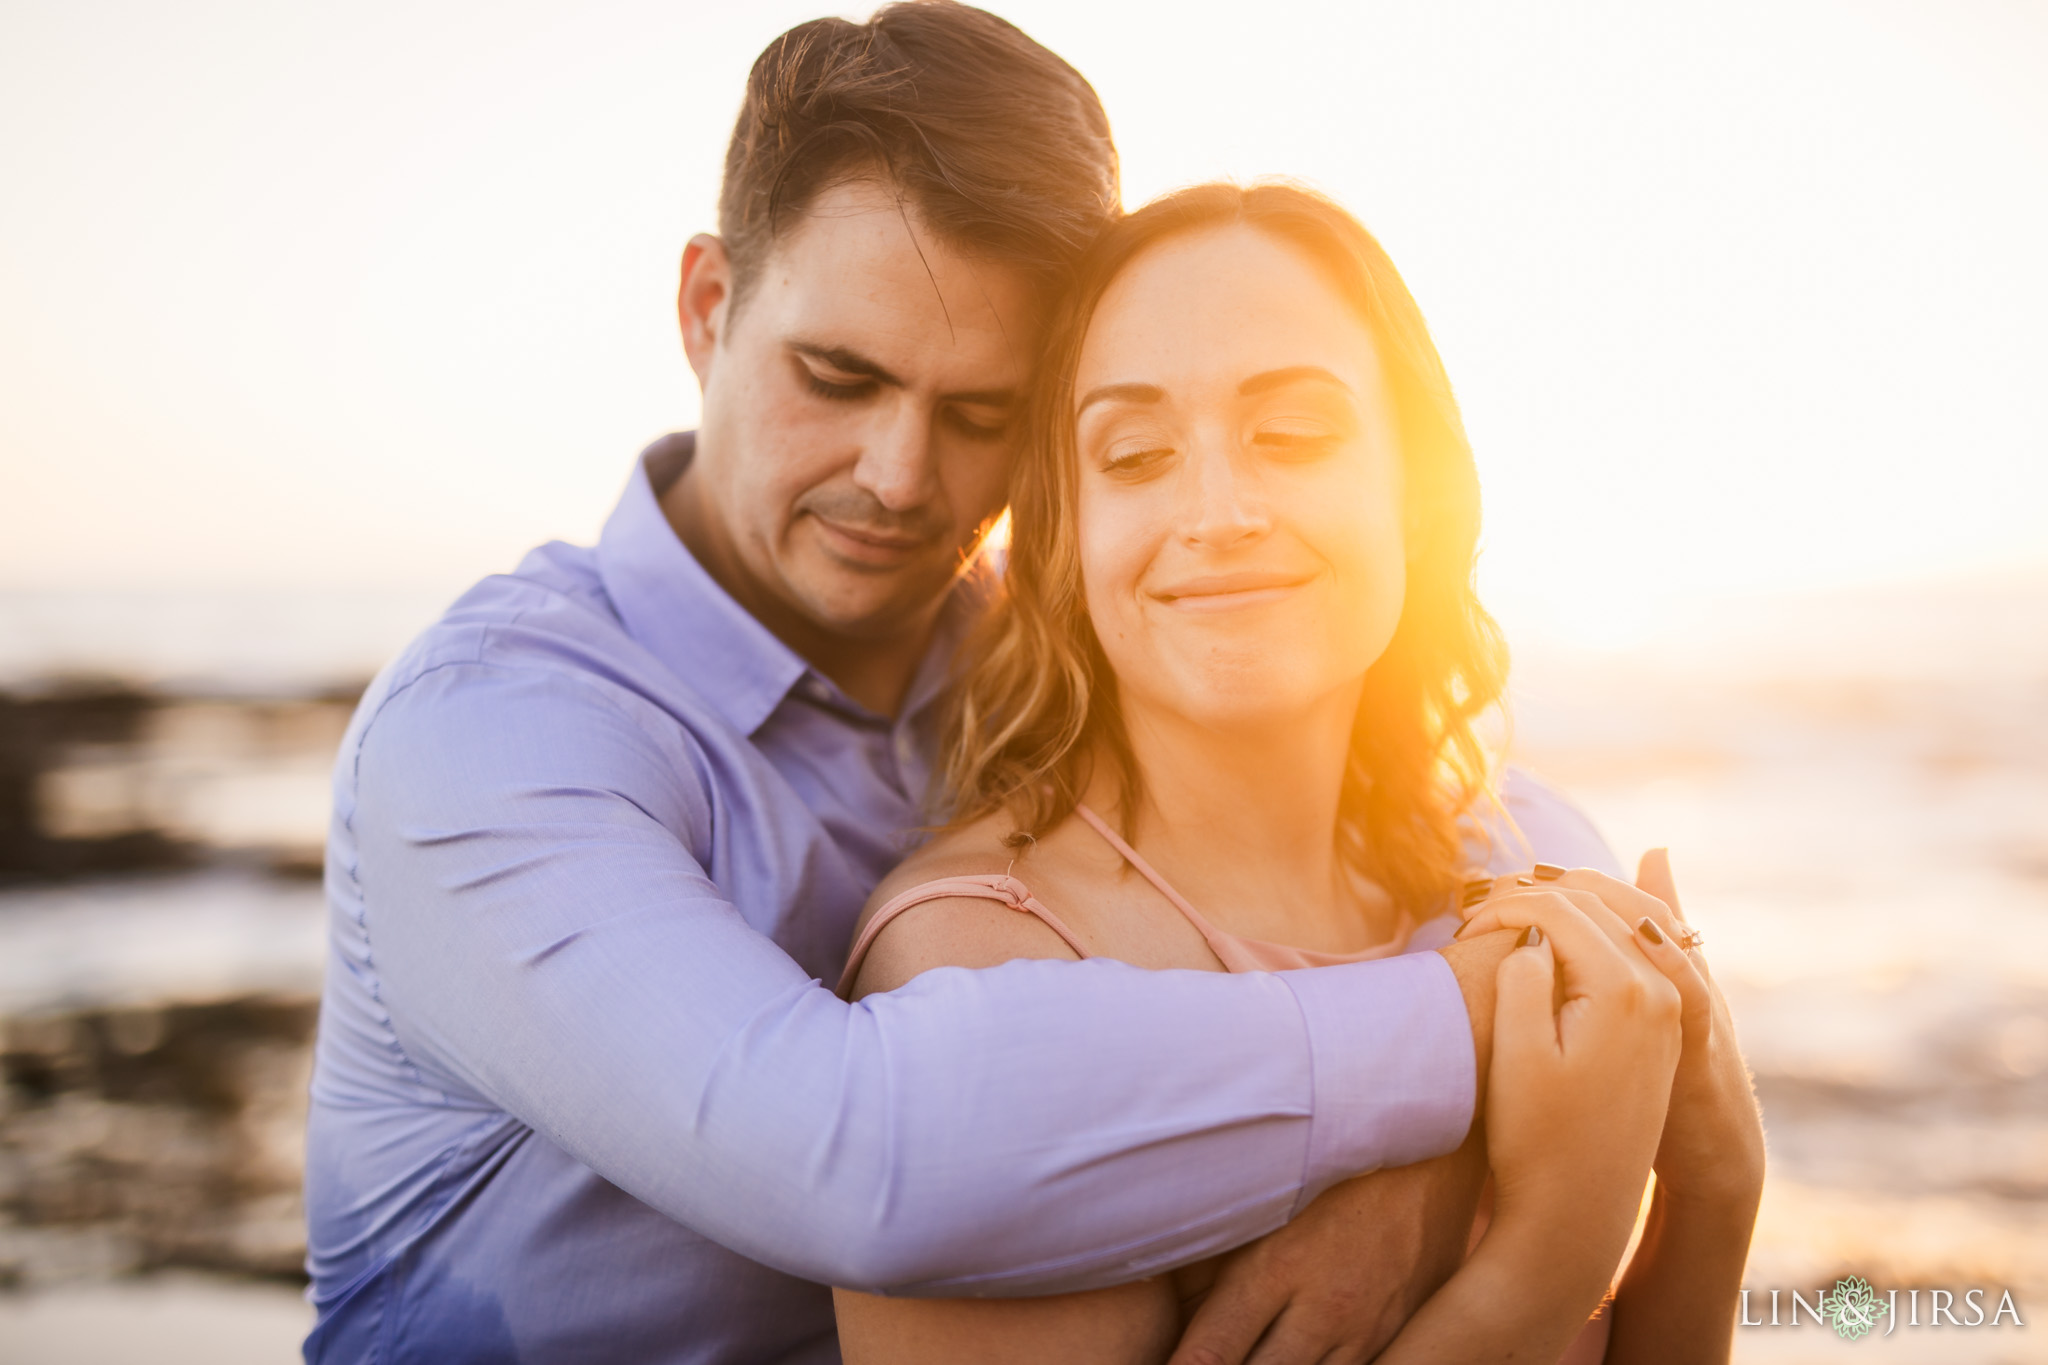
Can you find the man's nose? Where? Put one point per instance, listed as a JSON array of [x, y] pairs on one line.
[[898, 463], [1224, 505]]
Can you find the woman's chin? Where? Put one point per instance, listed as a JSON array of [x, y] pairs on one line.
[[1250, 711], [1258, 687]]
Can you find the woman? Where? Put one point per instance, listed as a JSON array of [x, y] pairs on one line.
[[1239, 656]]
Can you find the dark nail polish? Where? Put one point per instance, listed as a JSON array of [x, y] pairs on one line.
[[1547, 872], [1531, 937], [1649, 930]]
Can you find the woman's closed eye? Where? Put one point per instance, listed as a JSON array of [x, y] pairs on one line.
[[1300, 440], [1133, 459]]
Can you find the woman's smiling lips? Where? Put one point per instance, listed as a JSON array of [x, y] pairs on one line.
[[1229, 591]]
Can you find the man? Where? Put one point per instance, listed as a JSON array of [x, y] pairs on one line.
[[601, 831]]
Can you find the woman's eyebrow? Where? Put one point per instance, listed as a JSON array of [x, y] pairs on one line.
[[1258, 383], [1129, 393], [1292, 374]]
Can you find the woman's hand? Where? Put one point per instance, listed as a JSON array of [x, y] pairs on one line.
[[1577, 1093], [1712, 1152], [1677, 1300], [1585, 1039]]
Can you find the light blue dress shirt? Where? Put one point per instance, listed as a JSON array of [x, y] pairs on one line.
[[579, 1094]]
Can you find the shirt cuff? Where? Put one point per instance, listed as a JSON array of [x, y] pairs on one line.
[[1394, 1076]]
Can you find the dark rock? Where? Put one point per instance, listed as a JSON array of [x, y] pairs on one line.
[[138, 1139], [36, 734]]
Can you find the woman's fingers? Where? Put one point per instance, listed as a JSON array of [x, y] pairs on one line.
[[1630, 902], [1634, 919], [1653, 874], [1510, 912], [1593, 950], [1655, 893], [1524, 1029], [1485, 917], [1695, 997], [1627, 904], [1602, 963]]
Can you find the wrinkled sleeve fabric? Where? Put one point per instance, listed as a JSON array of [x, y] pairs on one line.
[[530, 858]]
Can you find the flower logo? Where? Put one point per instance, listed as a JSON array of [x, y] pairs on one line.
[[1852, 1307]]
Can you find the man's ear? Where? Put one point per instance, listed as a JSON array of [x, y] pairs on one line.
[[703, 300]]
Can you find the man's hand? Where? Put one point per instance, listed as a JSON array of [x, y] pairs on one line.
[[1337, 1283], [1475, 962]]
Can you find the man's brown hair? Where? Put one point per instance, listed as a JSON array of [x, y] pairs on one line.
[[999, 145]]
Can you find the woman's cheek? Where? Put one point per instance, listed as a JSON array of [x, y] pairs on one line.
[[1356, 532], [1114, 536], [1343, 521]]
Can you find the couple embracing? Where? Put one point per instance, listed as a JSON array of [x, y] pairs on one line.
[[1276, 1041]]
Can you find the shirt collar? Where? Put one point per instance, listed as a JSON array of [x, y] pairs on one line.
[[674, 608], [677, 611]]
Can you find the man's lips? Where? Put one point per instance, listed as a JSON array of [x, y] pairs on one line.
[[1227, 591], [867, 545]]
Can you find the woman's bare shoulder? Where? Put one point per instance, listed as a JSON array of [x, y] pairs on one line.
[[975, 850], [953, 931]]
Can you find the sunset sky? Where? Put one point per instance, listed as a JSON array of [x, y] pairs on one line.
[[1737, 296]]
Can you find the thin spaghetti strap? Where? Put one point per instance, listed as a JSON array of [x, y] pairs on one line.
[[1227, 947], [1145, 869], [1003, 888], [1235, 952]]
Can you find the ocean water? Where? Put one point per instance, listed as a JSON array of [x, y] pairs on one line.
[[1854, 788], [1855, 792]]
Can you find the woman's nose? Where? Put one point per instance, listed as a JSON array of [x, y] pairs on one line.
[[1225, 506]]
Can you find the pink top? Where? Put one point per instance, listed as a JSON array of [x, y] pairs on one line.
[[1236, 953]]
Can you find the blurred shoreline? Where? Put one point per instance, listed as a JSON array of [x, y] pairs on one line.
[[1854, 786]]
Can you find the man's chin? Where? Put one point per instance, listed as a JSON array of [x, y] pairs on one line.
[[864, 609], [864, 601]]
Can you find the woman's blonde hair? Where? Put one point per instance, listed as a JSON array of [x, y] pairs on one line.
[[1036, 703]]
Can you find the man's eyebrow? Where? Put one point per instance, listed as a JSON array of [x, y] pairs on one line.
[[1126, 393], [1292, 374], [852, 362]]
